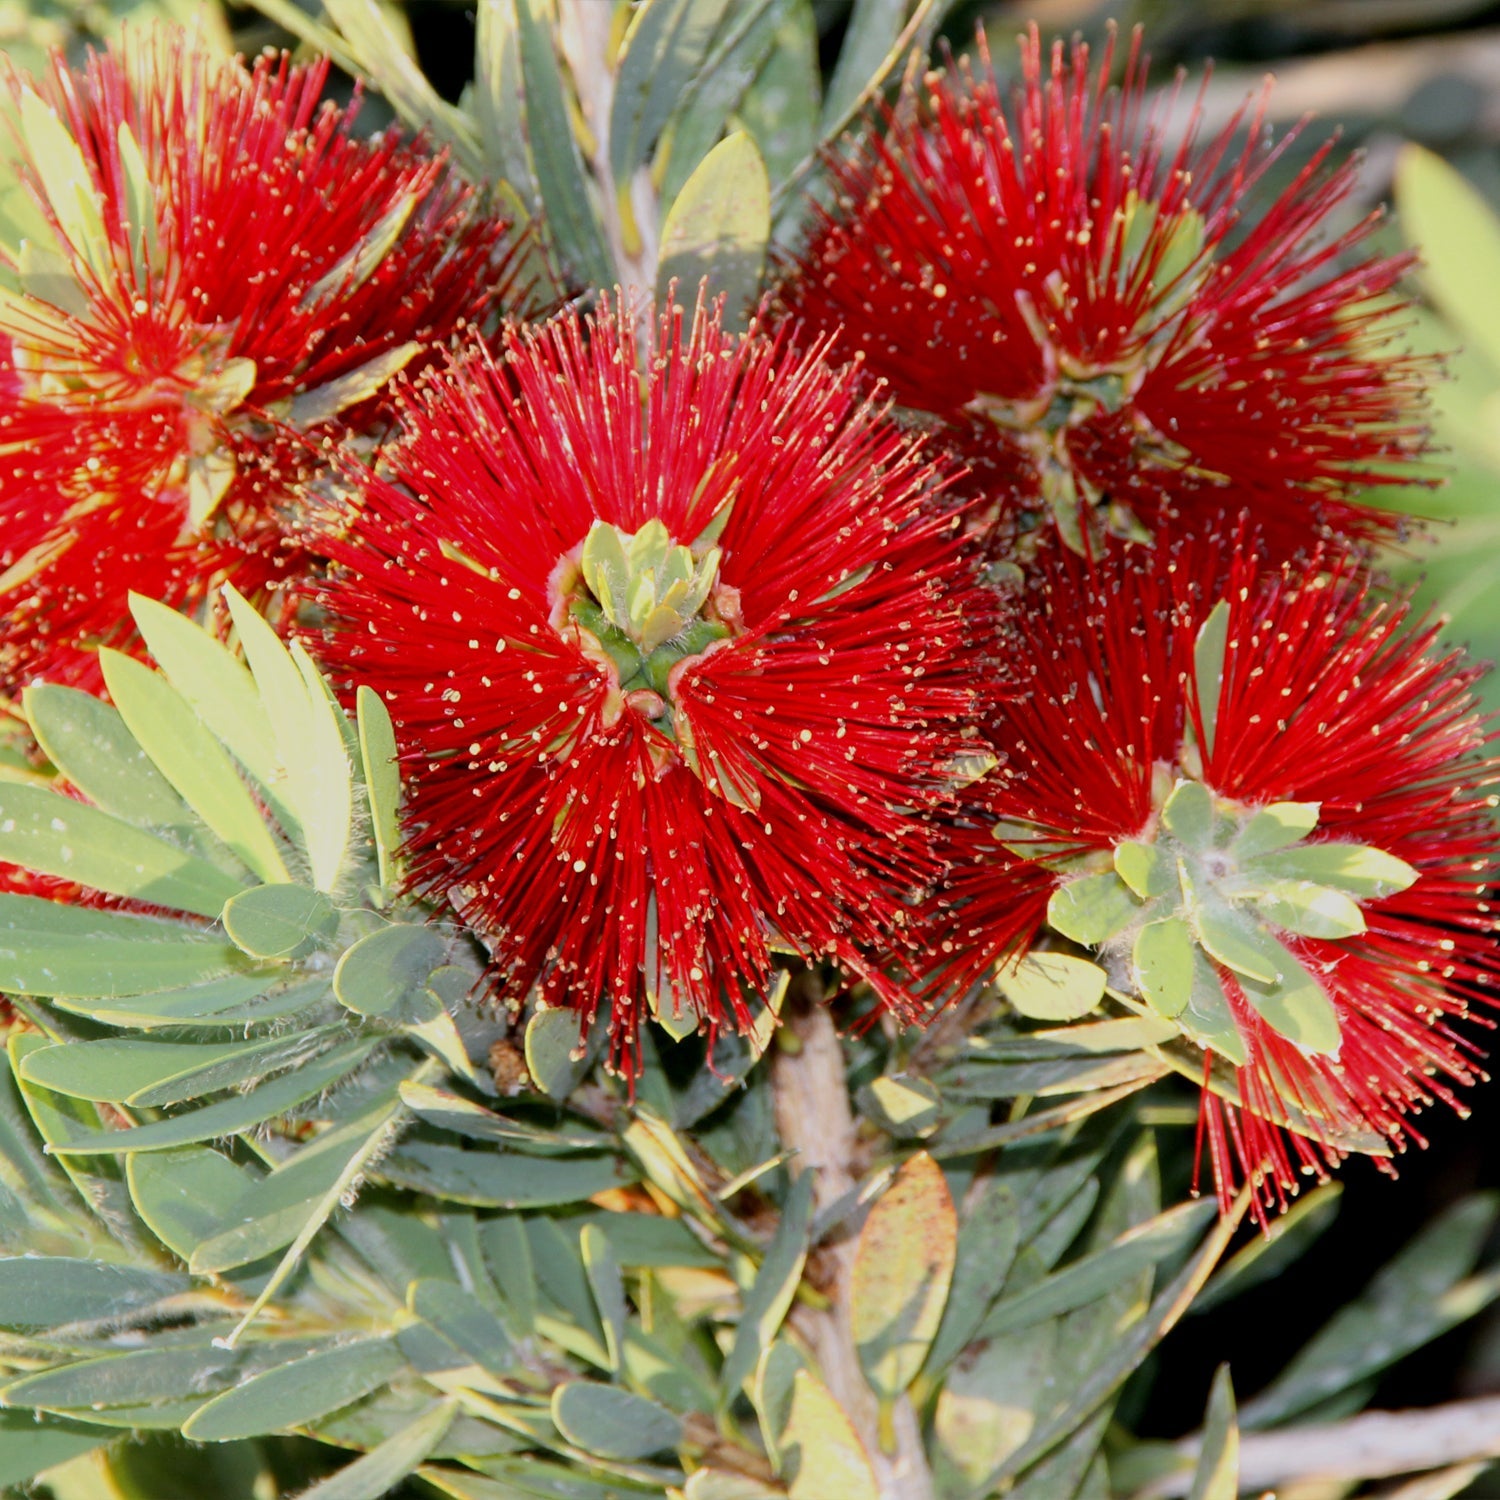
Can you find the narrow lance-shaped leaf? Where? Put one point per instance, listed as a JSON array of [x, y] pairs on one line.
[[380, 1470], [222, 692], [377, 748], [1208, 669], [771, 1293], [192, 760], [44, 831], [1218, 1473], [903, 1266]]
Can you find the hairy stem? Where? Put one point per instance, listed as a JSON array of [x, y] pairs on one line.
[[814, 1119]]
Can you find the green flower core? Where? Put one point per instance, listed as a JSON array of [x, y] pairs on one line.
[[1213, 883], [648, 605]]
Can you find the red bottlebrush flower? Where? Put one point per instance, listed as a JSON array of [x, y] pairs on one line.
[[1266, 813], [1108, 332], [219, 282], [675, 656]]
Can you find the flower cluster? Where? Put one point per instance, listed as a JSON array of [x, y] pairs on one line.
[[1096, 320], [681, 657], [1263, 803], [705, 648], [219, 280]]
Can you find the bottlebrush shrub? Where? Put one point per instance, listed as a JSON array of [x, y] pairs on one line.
[[218, 280], [678, 661], [1112, 329], [1265, 808]]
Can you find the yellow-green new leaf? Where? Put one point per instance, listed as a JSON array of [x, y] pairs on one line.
[[1460, 239], [903, 1267], [718, 227], [377, 750], [822, 1455], [192, 760]]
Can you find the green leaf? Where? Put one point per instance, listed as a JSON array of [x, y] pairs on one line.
[[1217, 1476], [487, 1180], [781, 106], [61, 1121], [45, 831], [872, 32], [662, 52], [1283, 1243], [770, 1294], [236, 1000], [1145, 869], [499, 102], [988, 1239], [822, 1455], [1092, 909], [1235, 940], [507, 1252], [47, 948], [183, 1196], [716, 1484], [133, 1377], [1274, 827], [124, 1070], [1052, 986], [47, 1291], [1296, 1005], [192, 760], [1189, 813], [1163, 963], [383, 1468], [384, 975], [377, 749], [65, 180], [612, 1423], [1460, 239], [1124, 1354], [552, 1039], [987, 1406], [221, 691], [603, 1272], [1355, 869], [1208, 1018], [464, 1321], [29, 1446], [1097, 1275], [296, 1393], [903, 1267], [274, 921], [570, 215], [450, 1111], [1208, 668], [718, 228], [903, 1106], [640, 1240], [1416, 1298], [230, 1116], [309, 740], [1307, 909], [291, 1203], [88, 742], [738, 55]]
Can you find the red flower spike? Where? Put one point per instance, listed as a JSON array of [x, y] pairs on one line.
[[1106, 331], [676, 655], [1266, 812], [218, 283]]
